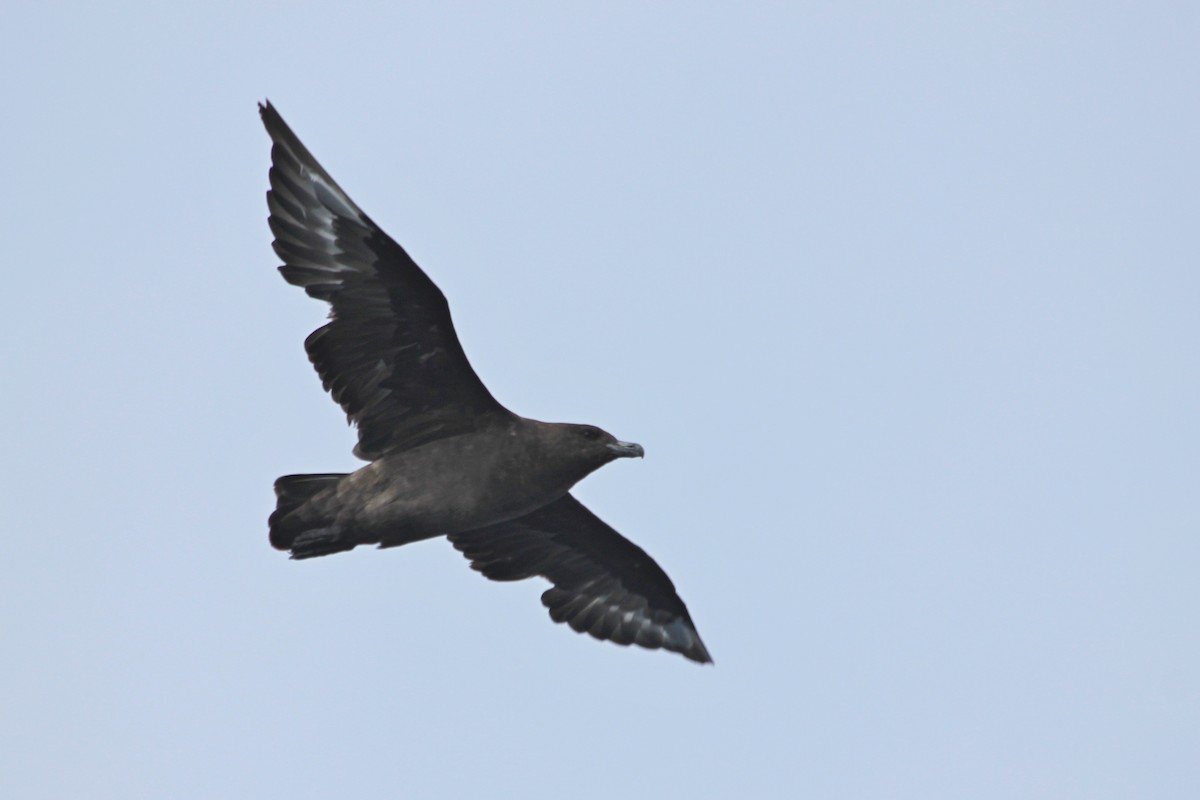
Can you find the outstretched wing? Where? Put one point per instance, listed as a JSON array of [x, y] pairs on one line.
[[389, 355], [604, 584]]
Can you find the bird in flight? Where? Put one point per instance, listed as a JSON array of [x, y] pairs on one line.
[[445, 459]]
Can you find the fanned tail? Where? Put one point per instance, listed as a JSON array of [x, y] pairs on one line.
[[305, 534]]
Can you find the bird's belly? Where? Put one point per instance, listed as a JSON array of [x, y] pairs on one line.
[[401, 500]]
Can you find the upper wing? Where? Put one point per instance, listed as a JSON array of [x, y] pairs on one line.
[[604, 584], [389, 356]]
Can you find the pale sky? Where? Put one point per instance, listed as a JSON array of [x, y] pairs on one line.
[[900, 298]]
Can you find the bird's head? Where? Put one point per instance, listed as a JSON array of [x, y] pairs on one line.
[[601, 445], [574, 451]]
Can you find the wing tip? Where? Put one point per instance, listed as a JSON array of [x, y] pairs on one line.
[[678, 636], [681, 637], [698, 652], [279, 131]]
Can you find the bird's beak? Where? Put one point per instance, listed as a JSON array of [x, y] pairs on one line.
[[626, 450]]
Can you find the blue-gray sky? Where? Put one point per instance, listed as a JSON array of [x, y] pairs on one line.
[[900, 298]]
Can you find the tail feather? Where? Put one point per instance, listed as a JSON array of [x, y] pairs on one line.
[[288, 529]]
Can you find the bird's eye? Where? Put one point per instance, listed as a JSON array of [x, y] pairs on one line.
[[590, 433]]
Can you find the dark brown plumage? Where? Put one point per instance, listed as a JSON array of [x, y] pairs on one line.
[[445, 458]]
